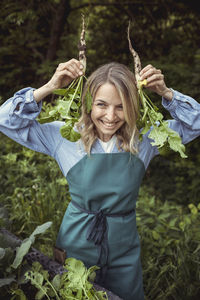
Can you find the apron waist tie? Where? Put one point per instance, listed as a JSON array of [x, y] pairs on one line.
[[98, 233]]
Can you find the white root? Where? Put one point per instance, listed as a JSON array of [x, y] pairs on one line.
[[82, 45], [136, 58]]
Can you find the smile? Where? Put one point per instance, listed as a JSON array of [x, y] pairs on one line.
[[108, 124]]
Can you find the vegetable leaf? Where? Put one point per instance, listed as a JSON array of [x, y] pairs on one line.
[[88, 101], [152, 120], [159, 135], [72, 284]]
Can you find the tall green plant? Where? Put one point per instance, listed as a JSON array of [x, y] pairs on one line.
[[33, 190], [170, 240]]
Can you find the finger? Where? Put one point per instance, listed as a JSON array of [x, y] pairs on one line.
[[74, 65], [77, 64], [155, 84], [145, 69], [148, 71], [68, 74], [61, 67], [74, 70], [151, 72], [63, 78], [155, 77]]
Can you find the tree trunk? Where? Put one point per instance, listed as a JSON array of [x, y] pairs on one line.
[[57, 27]]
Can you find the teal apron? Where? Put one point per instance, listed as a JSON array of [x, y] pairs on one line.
[[99, 226]]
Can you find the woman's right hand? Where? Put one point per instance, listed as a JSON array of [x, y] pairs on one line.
[[156, 82], [64, 74]]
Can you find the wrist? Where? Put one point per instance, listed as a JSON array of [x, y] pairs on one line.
[[167, 94], [49, 86]]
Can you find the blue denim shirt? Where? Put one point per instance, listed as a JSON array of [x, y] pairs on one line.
[[18, 121]]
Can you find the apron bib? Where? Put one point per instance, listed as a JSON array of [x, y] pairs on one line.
[[99, 226]]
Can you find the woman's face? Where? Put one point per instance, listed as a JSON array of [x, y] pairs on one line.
[[107, 111]]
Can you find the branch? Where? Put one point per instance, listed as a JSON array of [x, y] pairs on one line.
[[113, 4]]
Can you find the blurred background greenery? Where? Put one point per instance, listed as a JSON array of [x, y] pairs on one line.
[[35, 36]]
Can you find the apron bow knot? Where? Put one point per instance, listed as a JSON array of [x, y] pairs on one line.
[[97, 228]]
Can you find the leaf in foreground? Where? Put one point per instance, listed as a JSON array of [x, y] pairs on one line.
[[23, 249]]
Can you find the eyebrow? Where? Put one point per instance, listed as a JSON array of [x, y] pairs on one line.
[[100, 100], [104, 101]]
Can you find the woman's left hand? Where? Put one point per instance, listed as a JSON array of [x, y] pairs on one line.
[[155, 81]]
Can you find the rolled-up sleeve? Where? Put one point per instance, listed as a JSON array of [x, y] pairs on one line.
[[185, 112], [18, 121]]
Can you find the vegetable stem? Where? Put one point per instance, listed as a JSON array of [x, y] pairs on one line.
[[75, 93]]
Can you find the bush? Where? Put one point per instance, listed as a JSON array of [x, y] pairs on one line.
[[170, 242], [33, 190]]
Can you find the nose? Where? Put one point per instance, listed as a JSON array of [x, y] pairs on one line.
[[110, 114]]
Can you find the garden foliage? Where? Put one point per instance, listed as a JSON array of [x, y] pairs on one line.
[[170, 243], [33, 190]]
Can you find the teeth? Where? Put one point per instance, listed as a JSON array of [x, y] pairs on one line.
[[109, 124]]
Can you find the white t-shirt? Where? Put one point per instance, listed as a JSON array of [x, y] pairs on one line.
[[108, 146]]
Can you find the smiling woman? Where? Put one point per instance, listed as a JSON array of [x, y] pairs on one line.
[[107, 112], [104, 169], [114, 108]]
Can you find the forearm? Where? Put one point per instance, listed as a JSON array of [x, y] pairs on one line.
[[42, 92]]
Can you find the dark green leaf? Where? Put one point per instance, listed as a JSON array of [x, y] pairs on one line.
[[88, 100], [60, 92], [46, 119]]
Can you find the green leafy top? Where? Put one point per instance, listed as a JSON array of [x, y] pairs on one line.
[[69, 103], [68, 108], [151, 120], [76, 283]]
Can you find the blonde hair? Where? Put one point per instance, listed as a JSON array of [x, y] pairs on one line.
[[124, 81]]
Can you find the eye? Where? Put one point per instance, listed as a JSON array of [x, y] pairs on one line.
[[101, 104], [120, 107]]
